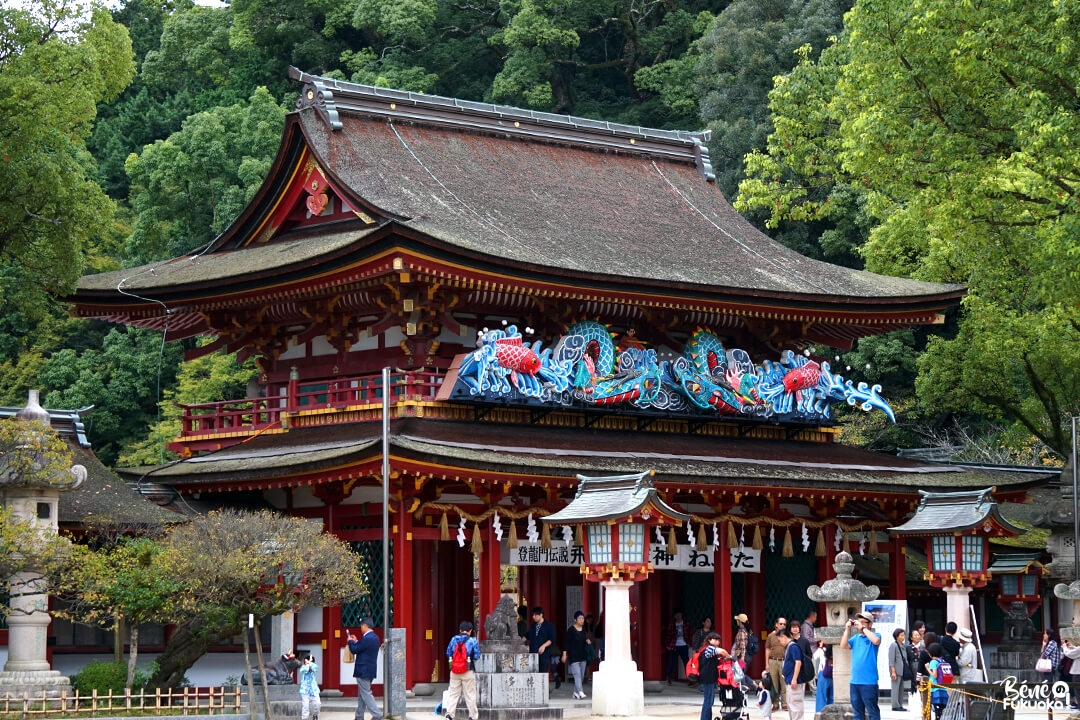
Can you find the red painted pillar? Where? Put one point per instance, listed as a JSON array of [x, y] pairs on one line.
[[825, 564], [722, 592], [897, 568], [421, 632], [490, 577], [648, 627], [402, 612]]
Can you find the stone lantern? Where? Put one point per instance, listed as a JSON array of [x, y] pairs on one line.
[[843, 596], [34, 498], [617, 513], [1070, 592]]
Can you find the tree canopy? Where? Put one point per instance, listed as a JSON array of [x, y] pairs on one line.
[[957, 123], [58, 60]]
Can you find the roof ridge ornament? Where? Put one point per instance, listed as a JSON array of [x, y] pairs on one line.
[[315, 94], [329, 96]]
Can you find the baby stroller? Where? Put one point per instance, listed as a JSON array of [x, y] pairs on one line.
[[730, 691]]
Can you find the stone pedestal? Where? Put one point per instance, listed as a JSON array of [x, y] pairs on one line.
[[958, 605], [36, 683], [284, 702], [394, 673], [618, 686], [509, 686]]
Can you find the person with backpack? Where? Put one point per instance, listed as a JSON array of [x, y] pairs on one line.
[[709, 672], [950, 647], [792, 670], [939, 696], [806, 674], [463, 652]]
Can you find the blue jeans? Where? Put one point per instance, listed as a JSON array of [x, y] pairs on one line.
[[864, 701], [824, 695], [708, 690]]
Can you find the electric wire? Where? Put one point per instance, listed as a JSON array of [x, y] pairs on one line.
[[743, 245], [464, 204]]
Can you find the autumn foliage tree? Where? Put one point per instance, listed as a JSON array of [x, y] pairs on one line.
[[235, 564]]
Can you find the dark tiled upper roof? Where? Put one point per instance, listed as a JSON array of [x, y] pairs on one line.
[[581, 209], [557, 196]]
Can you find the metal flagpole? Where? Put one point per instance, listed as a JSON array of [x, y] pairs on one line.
[[387, 662]]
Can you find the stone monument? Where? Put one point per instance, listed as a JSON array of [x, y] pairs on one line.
[[509, 683], [843, 597], [35, 498]]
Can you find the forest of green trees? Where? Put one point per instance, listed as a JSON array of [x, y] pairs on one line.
[[924, 138]]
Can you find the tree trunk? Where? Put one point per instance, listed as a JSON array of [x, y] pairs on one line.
[[188, 642], [262, 664], [250, 679], [118, 641], [133, 656]]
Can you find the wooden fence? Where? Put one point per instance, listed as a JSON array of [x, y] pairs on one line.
[[182, 701]]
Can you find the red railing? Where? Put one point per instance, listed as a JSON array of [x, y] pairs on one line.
[[254, 414]]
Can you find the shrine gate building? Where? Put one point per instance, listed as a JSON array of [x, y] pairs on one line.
[[555, 295]]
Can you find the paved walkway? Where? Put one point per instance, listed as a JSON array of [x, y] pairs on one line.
[[673, 702]]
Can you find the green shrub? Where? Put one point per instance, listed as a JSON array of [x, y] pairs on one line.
[[106, 677]]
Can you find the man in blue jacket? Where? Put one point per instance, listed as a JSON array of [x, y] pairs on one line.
[[463, 682], [365, 668]]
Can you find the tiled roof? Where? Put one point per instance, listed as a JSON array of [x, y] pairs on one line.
[[593, 203], [605, 498], [102, 494], [946, 512], [564, 452], [574, 207]]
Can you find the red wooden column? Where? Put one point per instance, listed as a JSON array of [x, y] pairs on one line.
[[490, 575], [825, 564], [722, 591], [401, 527], [897, 567], [421, 633], [648, 635]]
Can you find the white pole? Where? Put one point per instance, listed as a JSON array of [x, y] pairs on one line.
[[1076, 506], [387, 662]]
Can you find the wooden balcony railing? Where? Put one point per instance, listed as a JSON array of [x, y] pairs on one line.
[[254, 414]]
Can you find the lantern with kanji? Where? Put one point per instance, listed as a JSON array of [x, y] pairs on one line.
[[616, 514], [957, 527]]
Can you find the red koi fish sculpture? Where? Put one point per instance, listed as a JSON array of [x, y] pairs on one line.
[[802, 377], [511, 354]]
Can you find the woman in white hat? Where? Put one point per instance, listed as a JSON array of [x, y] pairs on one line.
[[968, 658]]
